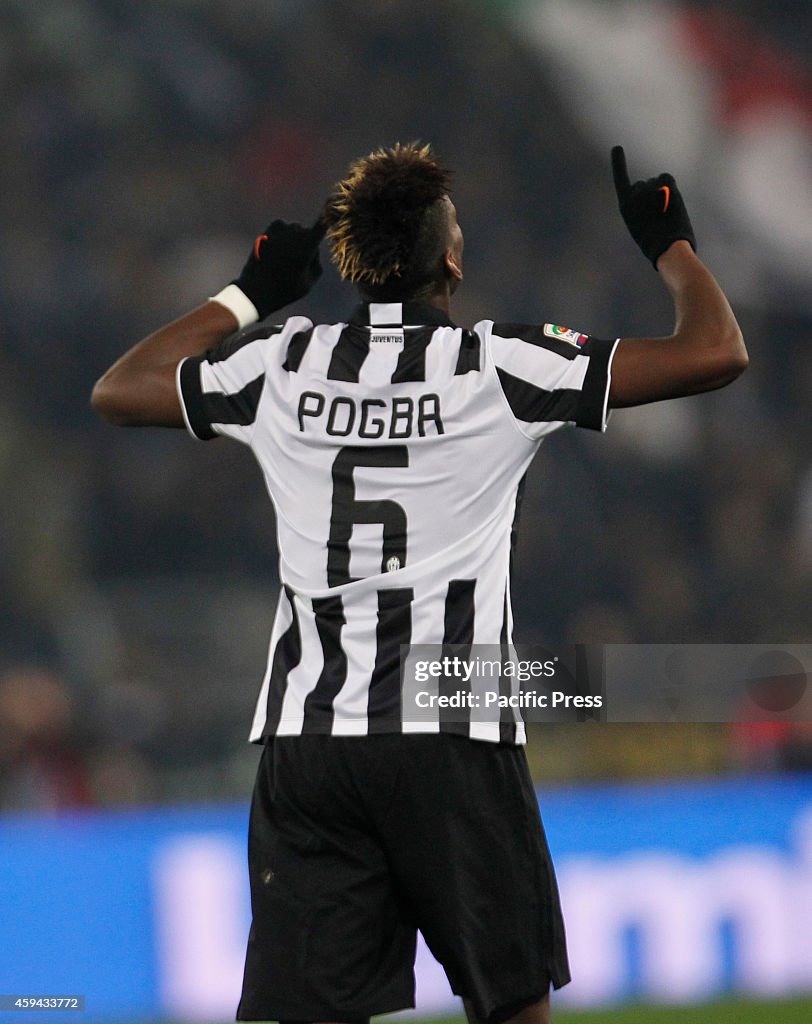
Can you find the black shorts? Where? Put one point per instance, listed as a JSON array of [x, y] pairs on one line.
[[356, 842]]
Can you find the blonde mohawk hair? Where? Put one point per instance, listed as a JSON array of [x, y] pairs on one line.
[[382, 218]]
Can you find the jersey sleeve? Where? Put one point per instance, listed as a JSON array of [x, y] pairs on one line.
[[552, 376], [220, 391]]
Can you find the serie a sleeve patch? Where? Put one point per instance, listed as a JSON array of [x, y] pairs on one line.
[[565, 334]]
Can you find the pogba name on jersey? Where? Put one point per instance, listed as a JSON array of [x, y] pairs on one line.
[[342, 415]]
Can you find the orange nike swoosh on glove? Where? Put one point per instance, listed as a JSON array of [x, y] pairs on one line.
[[263, 238], [667, 190]]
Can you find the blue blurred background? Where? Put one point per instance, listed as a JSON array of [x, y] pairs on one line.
[[674, 893], [146, 145]]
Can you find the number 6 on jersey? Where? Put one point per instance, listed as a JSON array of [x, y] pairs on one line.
[[346, 511]]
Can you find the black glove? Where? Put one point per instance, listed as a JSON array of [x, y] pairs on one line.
[[654, 211], [283, 265]]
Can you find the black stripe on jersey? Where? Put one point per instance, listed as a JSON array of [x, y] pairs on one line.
[[468, 358], [593, 394], [286, 657], [536, 405], [507, 723], [458, 635], [458, 624], [411, 365], [235, 342], [318, 705], [203, 408], [192, 398], [348, 355], [239, 408], [536, 336], [517, 513], [296, 350], [394, 628]]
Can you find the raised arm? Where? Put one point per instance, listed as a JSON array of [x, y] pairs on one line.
[[706, 349], [139, 388]]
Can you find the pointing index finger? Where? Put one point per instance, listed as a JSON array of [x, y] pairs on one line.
[[619, 170]]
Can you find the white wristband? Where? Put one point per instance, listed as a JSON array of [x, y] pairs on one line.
[[237, 302]]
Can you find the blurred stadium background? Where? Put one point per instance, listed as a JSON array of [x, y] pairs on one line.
[[146, 144]]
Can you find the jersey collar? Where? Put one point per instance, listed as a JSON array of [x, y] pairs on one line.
[[399, 314]]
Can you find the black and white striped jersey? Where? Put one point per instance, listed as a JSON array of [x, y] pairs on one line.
[[392, 447]]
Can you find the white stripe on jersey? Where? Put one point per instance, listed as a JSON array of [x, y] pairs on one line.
[[282, 621], [316, 359], [377, 369], [532, 363], [385, 313], [394, 501], [301, 679]]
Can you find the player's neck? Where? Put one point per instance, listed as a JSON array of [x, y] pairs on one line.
[[440, 299], [441, 302]]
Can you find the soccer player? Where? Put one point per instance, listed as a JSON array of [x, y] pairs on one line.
[[392, 444]]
